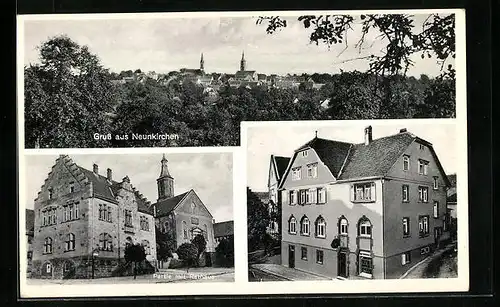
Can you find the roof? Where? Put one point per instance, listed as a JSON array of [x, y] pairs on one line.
[[30, 221], [107, 190], [376, 158], [281, 164], [244, 73], [223, 229], [452, 198], [165, 206], [263, 196], [332, 153]]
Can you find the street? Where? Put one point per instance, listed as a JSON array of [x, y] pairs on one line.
[[441, 264]]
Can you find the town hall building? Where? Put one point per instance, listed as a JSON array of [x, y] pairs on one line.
[[368, 210]]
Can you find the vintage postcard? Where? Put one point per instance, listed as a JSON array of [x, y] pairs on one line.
[[117, 219], [356, 200], [338, 136]]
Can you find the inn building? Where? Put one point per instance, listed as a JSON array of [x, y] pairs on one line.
[[368, 210]]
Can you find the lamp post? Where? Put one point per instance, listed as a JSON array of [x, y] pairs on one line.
[[95, 253]]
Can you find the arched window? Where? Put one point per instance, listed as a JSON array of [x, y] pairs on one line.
[[320, 227], [304, 226], [105, 242], [47, 246], [365, 228], [343, 226], [147, 248], [184, 229], [70, 242], [292, 225]]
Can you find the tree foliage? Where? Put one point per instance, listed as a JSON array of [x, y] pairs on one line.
[[135, 253], [68, 97], [225, 252], [188, 252], [200, 243], [401, 37], [165, 244], [258, 220]]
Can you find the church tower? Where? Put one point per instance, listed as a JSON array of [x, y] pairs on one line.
[[243, 63], [165, 182], [202, 63]]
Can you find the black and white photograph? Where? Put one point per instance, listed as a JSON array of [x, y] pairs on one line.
[[129, 218], [173, 79], [352, 201]]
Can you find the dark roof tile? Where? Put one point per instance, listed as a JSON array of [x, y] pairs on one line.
[[332, 153], [165, 206], [281, 164], [223, 229]]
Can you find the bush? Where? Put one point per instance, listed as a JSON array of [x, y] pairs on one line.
[[176, 264]]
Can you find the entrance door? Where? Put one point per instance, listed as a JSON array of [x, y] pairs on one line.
[[342, 264], [437, 235], [291, 256]]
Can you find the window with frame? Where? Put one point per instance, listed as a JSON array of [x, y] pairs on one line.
[[423, 194], [105, 242], [304, 226], [293, 197], [296, 173], [435, 209], [303, 253], [422, 147], [435, 184], [405, 193], [71, 187], [48, 268], [423, 167], [304, 153], [343, 226], [311, 197], [406, 227], [321, 195], [423, 225], [312, 170], [47, 246], [320, 227], [303, 196], [319, 256], [365, 228], [128, 218], [292, 225], [406, 163], [51, 193], [70, 242], [363, 192], [405, 258]]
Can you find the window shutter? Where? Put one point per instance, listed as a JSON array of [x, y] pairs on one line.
[[284, 196], [352, 192], [373, 196], [403, 259]]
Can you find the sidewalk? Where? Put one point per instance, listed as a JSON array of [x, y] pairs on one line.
[[417, 271], [286, 272]]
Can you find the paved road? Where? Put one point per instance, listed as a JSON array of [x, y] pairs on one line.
[[286, 273], [434, 265]]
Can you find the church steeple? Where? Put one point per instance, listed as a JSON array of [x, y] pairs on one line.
[[202, 62], [165, 182], [243, 62]]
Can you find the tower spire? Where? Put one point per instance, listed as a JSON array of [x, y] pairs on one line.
[[165, 182], [243, 62], [202, 62]]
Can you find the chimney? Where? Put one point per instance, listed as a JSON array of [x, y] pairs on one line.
[[402, 130], [96, 169], [110, 174], [368, 135]]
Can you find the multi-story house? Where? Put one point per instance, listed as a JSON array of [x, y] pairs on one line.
[[277, 167], [30, 226], [367, 210], [184, 215], [224, 231], [84, 221]]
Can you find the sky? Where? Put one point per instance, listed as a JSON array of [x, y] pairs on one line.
[[168, 44], [209, 174], [266, 140]]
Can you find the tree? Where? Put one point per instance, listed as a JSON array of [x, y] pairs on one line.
[[68, 97], [225, 252], [165, 244], [201, 244], [188, 253], [257, 220], [402, 38], [135, 253]]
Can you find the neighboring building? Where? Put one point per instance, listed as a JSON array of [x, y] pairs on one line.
[[368, 210], [79, 212], [263, 197], [451, 197], [184, 215], [277, 167], [224, 230], [30, 231]]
